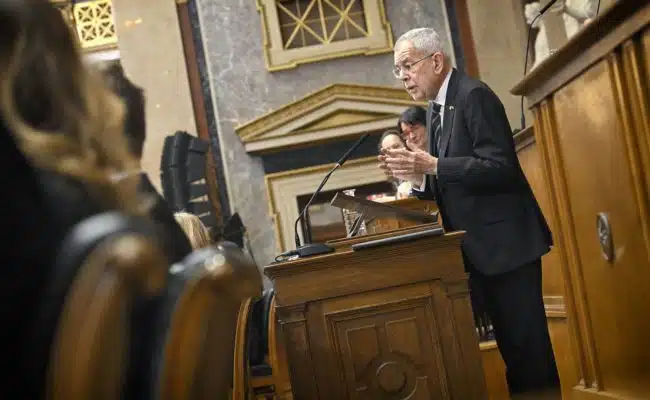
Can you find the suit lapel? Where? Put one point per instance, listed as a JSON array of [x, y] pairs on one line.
[[449, 113]]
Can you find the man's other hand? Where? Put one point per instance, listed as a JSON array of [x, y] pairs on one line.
[[404, 164]]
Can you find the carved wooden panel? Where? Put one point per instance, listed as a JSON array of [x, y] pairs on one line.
[[384, 353], [387, 347], [531, 163], [296, 339], [598, 161]]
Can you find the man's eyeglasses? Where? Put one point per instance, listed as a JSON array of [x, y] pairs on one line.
[[408, 67]]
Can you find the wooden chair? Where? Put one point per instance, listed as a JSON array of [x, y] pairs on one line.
[[208, 293], [278, 357], [113, 290], [269, 369], [241, 366], [84, 324]]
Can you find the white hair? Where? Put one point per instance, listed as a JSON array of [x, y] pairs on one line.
[[426, 40]]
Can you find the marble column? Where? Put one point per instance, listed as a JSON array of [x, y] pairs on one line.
[[151, 51]]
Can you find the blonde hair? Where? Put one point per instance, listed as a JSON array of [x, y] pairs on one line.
[[73, 124], [194, 229]]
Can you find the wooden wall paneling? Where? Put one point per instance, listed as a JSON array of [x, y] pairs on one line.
[[645, 45], [594, 141], [637, 79], [630, 103], [635, 88], [530, 158], [565, 241], [563, 341], [530, 155], [633, 277], [572, 364], [296, 338], [591, 100]]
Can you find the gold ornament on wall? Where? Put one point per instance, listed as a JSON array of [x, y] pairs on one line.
[[92, 21]]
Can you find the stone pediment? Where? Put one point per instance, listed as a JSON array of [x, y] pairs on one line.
[[337, 111]]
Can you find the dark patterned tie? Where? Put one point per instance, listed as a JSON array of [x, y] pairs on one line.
[[436, 129]]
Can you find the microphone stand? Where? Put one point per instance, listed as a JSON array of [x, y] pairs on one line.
[[312, 249], [530, 30]]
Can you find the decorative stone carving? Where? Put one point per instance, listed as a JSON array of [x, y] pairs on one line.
[[335, 111], [541, 48], [576, 13]]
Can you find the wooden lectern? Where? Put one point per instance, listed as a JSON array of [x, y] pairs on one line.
[[382, 217], [386, 316], [410, 203]]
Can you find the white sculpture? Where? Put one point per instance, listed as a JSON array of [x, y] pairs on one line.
[[531, 11], [576, 13]]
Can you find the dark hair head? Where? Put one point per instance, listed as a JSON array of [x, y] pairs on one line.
[[135, 126], [388, 133], [412, 116]]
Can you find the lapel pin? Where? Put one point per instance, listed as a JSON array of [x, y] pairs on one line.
[[451, 108]]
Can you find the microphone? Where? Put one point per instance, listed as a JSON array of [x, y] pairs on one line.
[[530, 29], [312, 249]]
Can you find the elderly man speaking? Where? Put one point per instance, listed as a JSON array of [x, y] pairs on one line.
[[472, 171]]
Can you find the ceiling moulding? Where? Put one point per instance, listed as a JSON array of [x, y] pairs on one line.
[[335, 112]]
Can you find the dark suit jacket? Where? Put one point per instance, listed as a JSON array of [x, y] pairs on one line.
[[480, 187], [175, 242]]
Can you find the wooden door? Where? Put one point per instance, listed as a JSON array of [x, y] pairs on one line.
[[597, 171]]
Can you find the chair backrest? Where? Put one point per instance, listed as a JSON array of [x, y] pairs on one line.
[[258, 329], [104, 262], [197, 358], [267, 354], [278, 355], [241, 389]]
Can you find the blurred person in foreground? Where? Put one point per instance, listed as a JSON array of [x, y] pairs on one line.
[[67, 134], [174, 240]]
